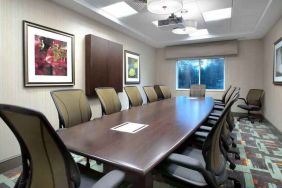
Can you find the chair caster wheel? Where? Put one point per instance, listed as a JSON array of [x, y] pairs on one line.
[[232, 166], [237, 184], [237, 157], [234, 145]]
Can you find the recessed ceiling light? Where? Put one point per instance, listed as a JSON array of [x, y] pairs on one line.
[[164, 6], [219, 14], [184, 31], [156, 23], [189, 28], [200, 32], [189, 10], [120, 9]]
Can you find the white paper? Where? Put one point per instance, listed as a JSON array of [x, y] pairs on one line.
[[129, 127]]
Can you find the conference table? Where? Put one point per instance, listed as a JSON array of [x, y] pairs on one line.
[[170, 122]]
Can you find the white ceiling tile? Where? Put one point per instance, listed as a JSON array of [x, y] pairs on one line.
[[208, 5], [219, 27]]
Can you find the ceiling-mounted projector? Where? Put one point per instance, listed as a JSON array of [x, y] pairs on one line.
[[171, 22]]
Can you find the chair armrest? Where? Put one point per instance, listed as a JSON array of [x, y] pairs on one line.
[[215, 114], [211, 117], [111, 180], [219, 104], [218, 100], [243, 100], [185, 161], [194, 164], [218, 107]]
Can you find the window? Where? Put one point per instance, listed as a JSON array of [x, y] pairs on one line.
[[209, 72]]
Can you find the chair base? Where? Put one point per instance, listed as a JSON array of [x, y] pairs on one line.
[[236, 183], [252, 117]]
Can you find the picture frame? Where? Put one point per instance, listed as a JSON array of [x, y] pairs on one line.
[[48, 56], [277, 63], [131, 67]]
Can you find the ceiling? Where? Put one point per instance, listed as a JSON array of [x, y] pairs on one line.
[[250, 19]]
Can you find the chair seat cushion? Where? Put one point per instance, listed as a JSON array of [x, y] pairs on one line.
[[187, 175], [86, 181], [249, 107], [202, 134], [218, 114], [206, 128]]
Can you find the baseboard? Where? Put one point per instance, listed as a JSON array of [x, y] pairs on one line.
[[10, 164], [272, 125]]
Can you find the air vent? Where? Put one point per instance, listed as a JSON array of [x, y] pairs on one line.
[[138, 5]]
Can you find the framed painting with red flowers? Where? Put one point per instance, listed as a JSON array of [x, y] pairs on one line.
[[48, 56]]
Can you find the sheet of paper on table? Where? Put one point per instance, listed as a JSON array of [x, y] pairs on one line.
[[129, 127]]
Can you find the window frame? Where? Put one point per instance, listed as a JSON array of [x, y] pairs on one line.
[[213, 90]]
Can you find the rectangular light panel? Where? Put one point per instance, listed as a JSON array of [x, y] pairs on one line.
[[219, 14], [119, 10]]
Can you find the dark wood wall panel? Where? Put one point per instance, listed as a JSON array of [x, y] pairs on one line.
[[103, 64]]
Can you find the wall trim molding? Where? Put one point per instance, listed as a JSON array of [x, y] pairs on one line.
[[272, 125], [10, 163]]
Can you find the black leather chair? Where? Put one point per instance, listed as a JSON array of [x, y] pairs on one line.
[[45, 159]]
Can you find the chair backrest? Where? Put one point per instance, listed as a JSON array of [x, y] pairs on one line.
[[109, 100], [46, 160], [229, 124], [212, 147], [150, 93], [229, 95], [254, 97], [162, 91], [225, 93], [134, 96], [197, 90], [73, 107]]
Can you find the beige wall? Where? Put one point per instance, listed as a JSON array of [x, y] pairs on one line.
[[46, 13], [273, 93], [244, 70]]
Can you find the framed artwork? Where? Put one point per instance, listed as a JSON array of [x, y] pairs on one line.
[[48, 56], [277, 67], [132, 67]]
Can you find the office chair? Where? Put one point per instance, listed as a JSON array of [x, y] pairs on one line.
[[253, 102], [45, 159], [109, 100], [201, 168], [222, 100], [134, 96], [72, 106], [150, 93], [197, 90], [227, 139], [162, 91]]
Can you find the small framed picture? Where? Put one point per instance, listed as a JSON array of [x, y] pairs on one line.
[[48, 56], [277, 67], [132, 67]]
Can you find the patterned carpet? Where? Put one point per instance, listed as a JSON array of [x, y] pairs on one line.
[[260, 146]]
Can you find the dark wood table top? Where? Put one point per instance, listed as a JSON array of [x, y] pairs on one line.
[[170, 121]]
